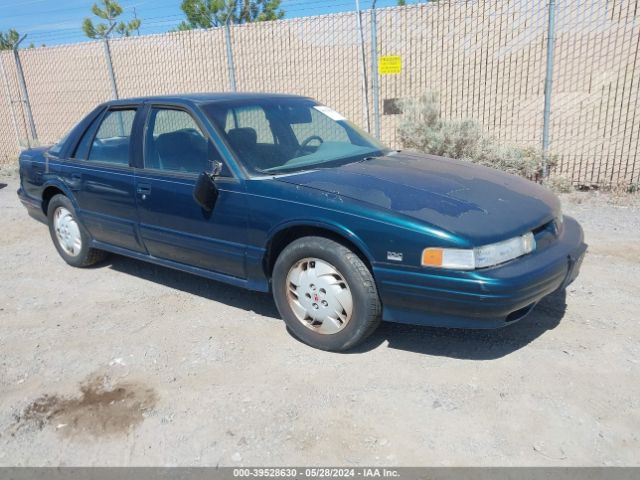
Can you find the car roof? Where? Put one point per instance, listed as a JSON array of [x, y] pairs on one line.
[[210, 97]]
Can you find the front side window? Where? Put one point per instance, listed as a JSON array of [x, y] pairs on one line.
[[174, 142], [111, 141], [277, 135]]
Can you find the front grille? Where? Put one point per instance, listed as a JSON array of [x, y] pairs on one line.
[[547, 226], [546, 234]]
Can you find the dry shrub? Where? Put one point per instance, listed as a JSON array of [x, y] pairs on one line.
[[559, 184], [423, 128]]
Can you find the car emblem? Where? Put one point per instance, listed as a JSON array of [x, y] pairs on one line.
[[316, 298], [395, 256]]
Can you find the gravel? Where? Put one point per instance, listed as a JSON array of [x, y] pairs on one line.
[[132, 364]]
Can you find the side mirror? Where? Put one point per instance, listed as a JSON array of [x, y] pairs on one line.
[[205, 193]]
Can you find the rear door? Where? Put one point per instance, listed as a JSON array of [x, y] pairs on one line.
[[172, 225], [100, 174]]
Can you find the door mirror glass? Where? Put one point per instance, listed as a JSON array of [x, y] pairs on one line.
[[205, 193], [216, 168]]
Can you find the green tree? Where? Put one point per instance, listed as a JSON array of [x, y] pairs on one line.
[[9, 39], [110, 12], [215, 13]]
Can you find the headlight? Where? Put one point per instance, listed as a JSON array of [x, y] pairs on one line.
[[479, 257]]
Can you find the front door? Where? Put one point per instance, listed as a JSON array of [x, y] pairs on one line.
[[172, 225]]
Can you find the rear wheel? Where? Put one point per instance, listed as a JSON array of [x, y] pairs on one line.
[[325, 293], [69, 236]]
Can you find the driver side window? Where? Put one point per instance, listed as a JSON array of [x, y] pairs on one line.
[[175, 142]]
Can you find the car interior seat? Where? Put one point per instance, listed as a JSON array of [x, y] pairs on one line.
[[181, 151]]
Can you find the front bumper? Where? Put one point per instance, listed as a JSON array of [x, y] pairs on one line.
[[486, 298]]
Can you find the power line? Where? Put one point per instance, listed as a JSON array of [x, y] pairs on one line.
[[296, 7], [82, 10]]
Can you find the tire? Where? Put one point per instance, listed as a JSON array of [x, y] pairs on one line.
[[313, 280], [69, 236]]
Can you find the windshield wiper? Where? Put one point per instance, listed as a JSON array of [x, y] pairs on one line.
[[298, 169], [368, 157], [373, 157]]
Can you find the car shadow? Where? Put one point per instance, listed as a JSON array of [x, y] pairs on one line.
[[444, 342], [470, 344], [2, 185], [260, 303]]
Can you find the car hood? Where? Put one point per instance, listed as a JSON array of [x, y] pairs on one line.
[[478, 203]]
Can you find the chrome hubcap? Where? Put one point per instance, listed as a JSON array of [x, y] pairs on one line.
[[67, 231], [319, 296]]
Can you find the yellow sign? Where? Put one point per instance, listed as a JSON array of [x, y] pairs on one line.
[[390, 65]]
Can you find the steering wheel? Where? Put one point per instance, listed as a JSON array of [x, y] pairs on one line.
[[306, 142]]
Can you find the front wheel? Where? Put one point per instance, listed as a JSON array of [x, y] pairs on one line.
[[325, 293], [69, 236]]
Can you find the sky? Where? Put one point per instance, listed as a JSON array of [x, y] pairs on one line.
[[53, 22]]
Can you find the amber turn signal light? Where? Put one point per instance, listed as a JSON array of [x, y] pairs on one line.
[[432, 257]]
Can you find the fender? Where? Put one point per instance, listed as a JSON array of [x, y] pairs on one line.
[[334, 227], [256, 257], [60, 185]]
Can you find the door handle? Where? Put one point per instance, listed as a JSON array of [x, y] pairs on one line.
[[75, 181], [143, 190]]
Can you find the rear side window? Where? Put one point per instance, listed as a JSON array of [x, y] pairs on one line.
[[111, 142], [84, 145], [57, 148]]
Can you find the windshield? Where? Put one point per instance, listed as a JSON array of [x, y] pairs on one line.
[[278, 135]]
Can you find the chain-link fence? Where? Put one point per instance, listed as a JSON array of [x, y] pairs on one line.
[[496, 61]]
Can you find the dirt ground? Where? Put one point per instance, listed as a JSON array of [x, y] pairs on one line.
[[131, 364]]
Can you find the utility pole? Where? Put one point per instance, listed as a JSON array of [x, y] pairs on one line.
[[23, 89], [107, 58], [548, 84], [230, 64], [374, 72], [363, 70]]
